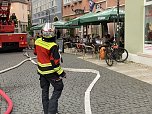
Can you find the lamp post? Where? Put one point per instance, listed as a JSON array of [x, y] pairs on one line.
[[118, 32], [48, 15]]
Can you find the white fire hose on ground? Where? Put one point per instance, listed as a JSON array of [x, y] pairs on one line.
[[87, 93]]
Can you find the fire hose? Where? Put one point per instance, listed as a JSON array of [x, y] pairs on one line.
[[9, 101], [87, 93], [3, 94]]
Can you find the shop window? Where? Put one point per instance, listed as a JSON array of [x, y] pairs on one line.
[[148, 0], [148, 28]]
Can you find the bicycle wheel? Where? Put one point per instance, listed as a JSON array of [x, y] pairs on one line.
[[120, 54], [108, 58]]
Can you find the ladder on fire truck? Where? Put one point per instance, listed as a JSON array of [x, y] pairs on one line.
[[5, 6], [6, 25], [8, 38]]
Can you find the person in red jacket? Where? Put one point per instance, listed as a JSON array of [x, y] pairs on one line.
[[49, 69]]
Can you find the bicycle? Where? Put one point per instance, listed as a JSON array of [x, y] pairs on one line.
[[114, 52]]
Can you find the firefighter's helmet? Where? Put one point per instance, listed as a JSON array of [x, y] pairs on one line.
[[48, 30]]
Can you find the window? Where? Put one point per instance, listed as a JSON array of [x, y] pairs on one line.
[[52, 3], [148, 28], [66, 1], [40, 8], [148, 0]]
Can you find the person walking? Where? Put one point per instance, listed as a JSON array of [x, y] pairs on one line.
[[49, 69]]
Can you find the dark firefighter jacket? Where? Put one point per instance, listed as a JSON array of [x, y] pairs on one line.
[[48, 58]]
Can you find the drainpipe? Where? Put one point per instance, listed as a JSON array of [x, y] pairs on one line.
[[118, 31]]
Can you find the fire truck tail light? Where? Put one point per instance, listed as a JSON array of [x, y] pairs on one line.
[[21, 42], [21, 38]]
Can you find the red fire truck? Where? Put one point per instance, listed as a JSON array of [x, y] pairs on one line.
[[8, 38]]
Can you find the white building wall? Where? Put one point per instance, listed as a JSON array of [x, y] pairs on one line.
[[45, 10], [21, 11]]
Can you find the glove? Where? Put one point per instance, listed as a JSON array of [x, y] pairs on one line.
[[62, 75]]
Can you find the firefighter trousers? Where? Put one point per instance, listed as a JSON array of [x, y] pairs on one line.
[[50, 106]]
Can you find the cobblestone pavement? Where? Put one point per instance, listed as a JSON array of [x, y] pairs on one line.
[[114, 93], [11, 58]]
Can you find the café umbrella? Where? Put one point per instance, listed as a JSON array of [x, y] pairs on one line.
[[37, 27], [60, 24], [108, 15], [76, 21]]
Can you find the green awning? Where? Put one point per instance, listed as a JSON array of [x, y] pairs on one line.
[[108, 15], [59, 24], [76, 21], [73, 22], [37, 27]]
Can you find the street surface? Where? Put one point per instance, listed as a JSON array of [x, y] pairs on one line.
[[113, 93]]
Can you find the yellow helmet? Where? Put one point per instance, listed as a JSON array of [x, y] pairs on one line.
[[48, 30]]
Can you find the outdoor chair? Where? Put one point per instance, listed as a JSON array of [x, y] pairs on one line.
[[97, 48], [67, 45], [79, 48], [70, 46], [88, 49]]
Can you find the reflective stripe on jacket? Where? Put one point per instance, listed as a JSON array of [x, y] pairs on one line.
[[44, 57]]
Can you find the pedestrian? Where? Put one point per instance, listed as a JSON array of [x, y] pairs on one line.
[[37, 35], [58, 34], [49, 69]]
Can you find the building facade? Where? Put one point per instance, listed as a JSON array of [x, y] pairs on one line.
[[46, 11], [72, 9], [20, 8], [138, 30], [101, 5], [29, 9], [76, 8]]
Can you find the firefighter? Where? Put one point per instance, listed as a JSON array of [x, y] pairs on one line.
[[49, 69], [14, 19]]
